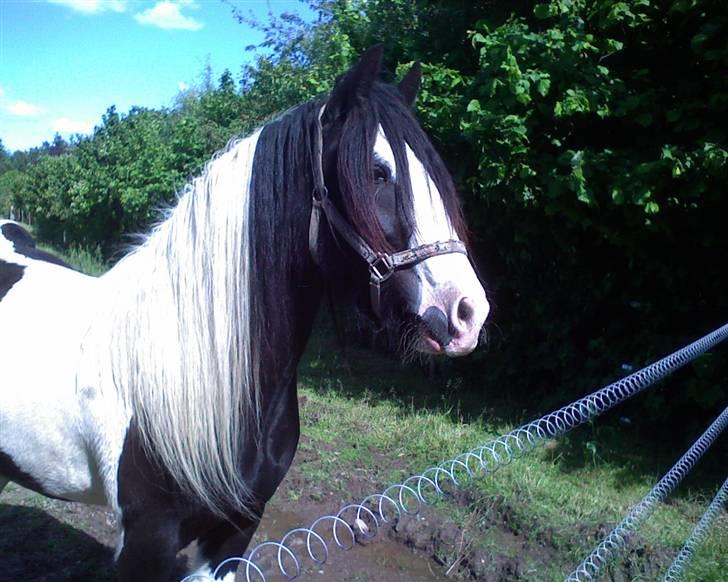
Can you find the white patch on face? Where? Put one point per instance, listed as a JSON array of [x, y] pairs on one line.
[[383, 151], [447, 282]]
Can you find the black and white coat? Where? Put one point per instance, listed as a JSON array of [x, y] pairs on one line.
[[167, 387]]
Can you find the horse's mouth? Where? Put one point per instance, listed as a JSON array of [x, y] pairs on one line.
[[437, 340], [429, 345]]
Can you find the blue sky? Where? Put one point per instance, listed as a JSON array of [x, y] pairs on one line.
[[64, 62]]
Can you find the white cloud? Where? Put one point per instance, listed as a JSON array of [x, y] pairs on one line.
[[167, 15], [93, 6], [24, 109], [66, 125], [182, 86]]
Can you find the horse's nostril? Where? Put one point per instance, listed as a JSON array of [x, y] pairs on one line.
[[436, 324], [465, 310]]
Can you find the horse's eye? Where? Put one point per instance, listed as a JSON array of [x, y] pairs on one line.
[[381, 175]]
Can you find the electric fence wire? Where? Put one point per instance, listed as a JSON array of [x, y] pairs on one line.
[[686, 554], [362, 521], [619, 537]]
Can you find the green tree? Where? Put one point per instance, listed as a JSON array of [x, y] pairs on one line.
[[13, 185], [4, 158], [589, 142], [588, 138]]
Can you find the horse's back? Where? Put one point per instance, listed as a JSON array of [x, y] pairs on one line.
[[38, 291], [16, 240], [46, 310]]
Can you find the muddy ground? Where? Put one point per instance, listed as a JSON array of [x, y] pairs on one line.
[[46, 540], [43, 540]]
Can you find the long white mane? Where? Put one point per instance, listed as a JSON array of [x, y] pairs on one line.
[[181, 334]]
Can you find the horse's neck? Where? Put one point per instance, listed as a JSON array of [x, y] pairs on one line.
[[292, 296], [207, 264]]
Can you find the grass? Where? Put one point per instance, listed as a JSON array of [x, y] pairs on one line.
[[392, 422], [88, 261], [384, 422], [85, 260]]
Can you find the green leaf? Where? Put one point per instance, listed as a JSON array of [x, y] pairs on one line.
[[673, 115], [617, 195], [478, 38], [584, 196], [542, 11], [543, 86], [652, 208], [614, 46]]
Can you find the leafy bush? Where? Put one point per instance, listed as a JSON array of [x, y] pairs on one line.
[[589, 140]]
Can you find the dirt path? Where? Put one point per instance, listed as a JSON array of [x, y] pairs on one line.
[[47, 541], [44, 540]]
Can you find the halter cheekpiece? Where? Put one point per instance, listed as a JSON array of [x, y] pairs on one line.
[[381, 265]]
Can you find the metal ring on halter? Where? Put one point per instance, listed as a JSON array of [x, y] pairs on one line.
[[382, 268]]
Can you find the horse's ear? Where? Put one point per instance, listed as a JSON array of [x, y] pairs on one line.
[[354, 86], [409, 86]]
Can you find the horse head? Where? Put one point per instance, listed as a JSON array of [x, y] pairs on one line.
[[393, 215]]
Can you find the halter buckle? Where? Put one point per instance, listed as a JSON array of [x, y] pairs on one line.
[[381, 268]]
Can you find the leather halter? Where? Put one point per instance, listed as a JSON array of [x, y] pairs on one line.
[[381, 265]]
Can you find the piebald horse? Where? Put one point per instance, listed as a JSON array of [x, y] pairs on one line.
[[166, 388]]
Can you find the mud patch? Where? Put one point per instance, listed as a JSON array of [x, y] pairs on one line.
[[467, 538]]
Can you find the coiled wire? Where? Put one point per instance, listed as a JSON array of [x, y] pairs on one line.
[[364, 519], [619, 537], [684, 557]]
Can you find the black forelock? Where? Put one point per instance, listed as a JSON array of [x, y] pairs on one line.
[[402, 128], [386, 107]]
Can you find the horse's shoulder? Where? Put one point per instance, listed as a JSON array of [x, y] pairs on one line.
[[20, 242]]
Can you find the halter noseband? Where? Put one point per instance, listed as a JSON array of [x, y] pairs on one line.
[[381, 265]]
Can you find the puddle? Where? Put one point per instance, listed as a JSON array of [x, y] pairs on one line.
[[379, 558]]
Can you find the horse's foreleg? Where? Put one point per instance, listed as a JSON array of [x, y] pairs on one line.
[[223, 542], [149, 548]]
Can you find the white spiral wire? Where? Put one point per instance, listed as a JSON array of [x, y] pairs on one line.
[[608, 548], [408, 498], [686, 554]]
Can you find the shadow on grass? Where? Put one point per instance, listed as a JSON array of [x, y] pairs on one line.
[[439, 386], [641, 459], [36, 546], [430, 385]]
